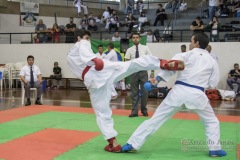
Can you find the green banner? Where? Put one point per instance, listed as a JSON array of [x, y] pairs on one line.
[[96, 42]]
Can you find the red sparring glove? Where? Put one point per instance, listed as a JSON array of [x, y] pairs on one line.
[[172, 65], [98, 64]]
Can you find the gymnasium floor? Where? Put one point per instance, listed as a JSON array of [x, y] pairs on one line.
[[64, 128]]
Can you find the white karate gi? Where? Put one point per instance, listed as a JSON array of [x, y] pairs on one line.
[[99, 83], [200, 70], [78, 4], [101, 56]]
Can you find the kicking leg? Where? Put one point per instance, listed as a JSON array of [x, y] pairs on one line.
[[148, 127], [145, 62]]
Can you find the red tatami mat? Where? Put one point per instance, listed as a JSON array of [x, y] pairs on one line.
[[22, 112], [44, 145]]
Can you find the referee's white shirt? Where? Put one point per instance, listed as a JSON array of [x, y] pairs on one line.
[[25, 71], [142, 49]]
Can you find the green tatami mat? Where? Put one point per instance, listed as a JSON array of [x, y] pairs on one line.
[[165, 144]]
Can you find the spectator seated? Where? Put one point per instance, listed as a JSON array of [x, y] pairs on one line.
[[182, 7], [92, 23], [112, 22], [84, 23], [106, 14], [142, 20], [224, 11]]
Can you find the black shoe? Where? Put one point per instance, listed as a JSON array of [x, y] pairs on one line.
[[133, 115], [38, 102], [28, 103], [145, 114]]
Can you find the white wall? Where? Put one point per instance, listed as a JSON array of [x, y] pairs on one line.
[[46, 54]]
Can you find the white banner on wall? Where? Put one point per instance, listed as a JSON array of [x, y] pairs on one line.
[[29, 13]]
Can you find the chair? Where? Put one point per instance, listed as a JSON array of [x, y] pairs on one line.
[[235, 87], [14, 76], [34, 91], [2, 77], [7, 74], [15, 71]]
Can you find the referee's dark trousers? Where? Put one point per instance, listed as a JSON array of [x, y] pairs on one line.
[[138, 79]]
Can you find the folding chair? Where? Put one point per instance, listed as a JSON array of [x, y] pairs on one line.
[[34, 93]]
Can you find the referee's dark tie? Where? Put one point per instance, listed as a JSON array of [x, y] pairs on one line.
[[137, 52], [31, 77]]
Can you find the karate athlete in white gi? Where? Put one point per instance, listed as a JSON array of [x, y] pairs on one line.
[[100, 74], [112, 56], [78, 4], [201, 71]]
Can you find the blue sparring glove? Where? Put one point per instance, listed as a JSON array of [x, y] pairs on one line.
[[149, 86]]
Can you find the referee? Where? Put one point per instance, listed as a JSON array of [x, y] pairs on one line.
[[138, 78]]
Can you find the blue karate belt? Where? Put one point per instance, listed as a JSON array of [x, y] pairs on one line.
[[189, 85]]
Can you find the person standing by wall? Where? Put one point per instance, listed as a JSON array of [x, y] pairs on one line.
[[41, 31], [197, 25], [112, 56], [116, 37], [214, 27], [183, 48], [100, 54], [209, 49], [55, 30], [70, 28], [138, 78], [150, 37]]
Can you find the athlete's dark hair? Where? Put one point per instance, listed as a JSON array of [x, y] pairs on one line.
[[81, 33], [202, 39]]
